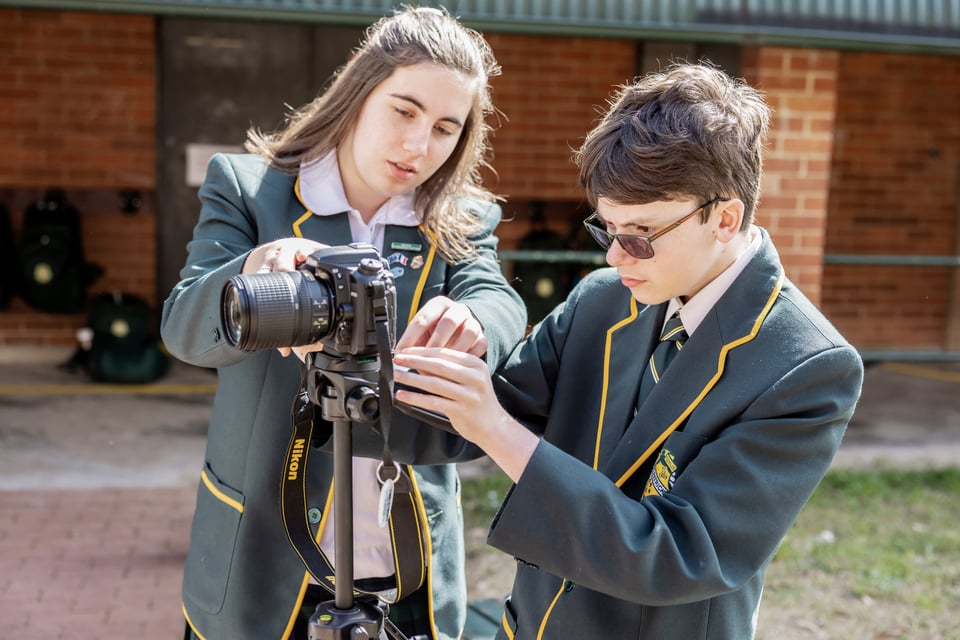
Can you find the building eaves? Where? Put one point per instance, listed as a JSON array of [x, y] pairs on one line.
[[931, 26]]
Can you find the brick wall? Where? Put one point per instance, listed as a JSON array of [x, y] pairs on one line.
[[550, 92], [799, 84], [79, 101], [550, 95], [893, 190], [862, 158], [80, 90]]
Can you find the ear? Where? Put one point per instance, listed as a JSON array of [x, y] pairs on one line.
[[729, 216]]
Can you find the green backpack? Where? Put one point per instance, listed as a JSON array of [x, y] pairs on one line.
[[125, 347], [54, 275]]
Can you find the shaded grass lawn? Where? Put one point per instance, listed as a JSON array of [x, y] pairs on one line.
[[873, 555]]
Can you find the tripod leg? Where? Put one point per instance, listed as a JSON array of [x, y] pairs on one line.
[[343, 512]]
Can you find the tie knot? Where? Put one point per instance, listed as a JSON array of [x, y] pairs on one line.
[[674, 330]]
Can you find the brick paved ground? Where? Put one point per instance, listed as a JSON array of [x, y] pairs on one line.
[[94, 556], [100, 564]]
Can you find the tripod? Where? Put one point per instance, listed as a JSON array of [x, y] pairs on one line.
[[345, 390]]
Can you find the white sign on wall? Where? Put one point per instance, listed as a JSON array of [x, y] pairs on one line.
[[198, 155]]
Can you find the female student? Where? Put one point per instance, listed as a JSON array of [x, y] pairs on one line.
[[389, 155]]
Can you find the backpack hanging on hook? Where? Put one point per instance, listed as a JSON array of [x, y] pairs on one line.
[[55, 275], [542, 285]]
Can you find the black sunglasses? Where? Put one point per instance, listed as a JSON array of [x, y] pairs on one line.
[[640, 247]]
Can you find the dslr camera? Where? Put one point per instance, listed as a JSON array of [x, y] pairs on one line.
[[336, 297]]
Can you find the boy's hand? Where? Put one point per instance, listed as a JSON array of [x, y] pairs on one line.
[[458, 385]]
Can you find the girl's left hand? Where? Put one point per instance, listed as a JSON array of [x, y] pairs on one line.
[[441, 322]]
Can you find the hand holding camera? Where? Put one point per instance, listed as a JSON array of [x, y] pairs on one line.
[[334, 299], [334, 296], [285, 254]]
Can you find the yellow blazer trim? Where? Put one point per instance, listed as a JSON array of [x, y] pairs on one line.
[[306, 214], [327, 508], [428, 544], [608, 347], [418, 293], [220, 495], [186, 616], [721, 362], [546, 615], [506, 626], [299, 221]]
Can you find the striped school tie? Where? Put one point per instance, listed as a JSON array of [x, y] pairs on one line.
[[671, 342]]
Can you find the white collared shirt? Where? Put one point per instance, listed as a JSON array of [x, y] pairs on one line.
[[697, 307], [321, 190]]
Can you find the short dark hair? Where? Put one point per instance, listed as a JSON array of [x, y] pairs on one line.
[[689, 131]]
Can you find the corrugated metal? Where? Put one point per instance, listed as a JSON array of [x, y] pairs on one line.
[[872, 24]]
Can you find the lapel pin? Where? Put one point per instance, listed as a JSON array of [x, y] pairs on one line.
[[405, 246]]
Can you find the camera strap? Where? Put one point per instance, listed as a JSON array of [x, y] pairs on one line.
[[408, 529]]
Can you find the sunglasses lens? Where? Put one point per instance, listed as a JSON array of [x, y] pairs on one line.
[[598, 234], [637, 246]]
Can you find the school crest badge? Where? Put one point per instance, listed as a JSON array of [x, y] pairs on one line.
[[663, 475]]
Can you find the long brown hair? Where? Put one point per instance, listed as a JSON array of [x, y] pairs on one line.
[[411, 36]]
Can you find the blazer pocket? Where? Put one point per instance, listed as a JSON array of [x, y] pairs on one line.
[[212, 542]]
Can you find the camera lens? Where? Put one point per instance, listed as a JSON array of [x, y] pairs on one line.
[[233, 318], [270, 310]]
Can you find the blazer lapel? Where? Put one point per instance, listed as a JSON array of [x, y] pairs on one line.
[[627, 347], [734, 321], [323, 229], [667, 406]]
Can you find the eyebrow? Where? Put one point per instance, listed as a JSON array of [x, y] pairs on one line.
[[420, 106], [628, 225]]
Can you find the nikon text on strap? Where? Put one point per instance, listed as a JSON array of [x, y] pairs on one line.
[[407, 529]]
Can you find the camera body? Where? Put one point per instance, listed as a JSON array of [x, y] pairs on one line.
[[336, 297]]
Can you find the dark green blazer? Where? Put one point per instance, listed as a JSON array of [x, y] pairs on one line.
[[242, 578], [660, 523]]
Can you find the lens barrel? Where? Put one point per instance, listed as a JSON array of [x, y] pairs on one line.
[[271, 310]]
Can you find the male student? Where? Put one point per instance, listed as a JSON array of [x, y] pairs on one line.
[[648, 501]]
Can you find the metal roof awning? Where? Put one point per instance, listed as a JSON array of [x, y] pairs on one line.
[[907, 25]]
